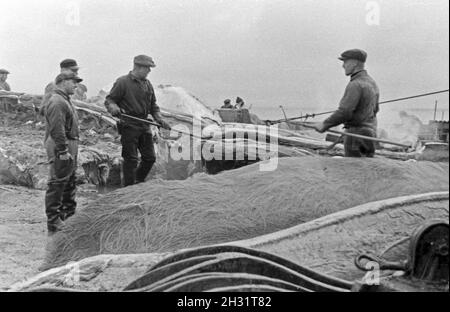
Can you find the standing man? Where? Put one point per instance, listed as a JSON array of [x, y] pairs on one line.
[[358, 107], [61, 143], [3, 76], [133, 95], [67, 66]]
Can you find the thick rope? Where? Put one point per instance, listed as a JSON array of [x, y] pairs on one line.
[[380, 103]]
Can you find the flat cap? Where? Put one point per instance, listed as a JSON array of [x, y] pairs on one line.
[[69, 63], [3, 71], [354, 54], [67, 76], [144, 60], [227, 101]]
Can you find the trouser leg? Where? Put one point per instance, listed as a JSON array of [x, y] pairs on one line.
[[53, 204], [145, 146], [129, 140], [356, 147], [68, 198], [60, 196]]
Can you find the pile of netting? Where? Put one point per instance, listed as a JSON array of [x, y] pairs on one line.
[[162, 216]]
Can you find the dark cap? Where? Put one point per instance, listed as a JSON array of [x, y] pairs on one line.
[[4, 71], [67, 76], [227, 101], [69, 63], [354, 54], [239, 100], [144, 60]]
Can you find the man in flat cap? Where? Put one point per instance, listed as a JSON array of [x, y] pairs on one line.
[[133, 94], [61, 143], [358, 107], [3, 76], [227, 104], [67, 66]]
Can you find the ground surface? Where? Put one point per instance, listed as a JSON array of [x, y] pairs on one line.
[[23, 231]]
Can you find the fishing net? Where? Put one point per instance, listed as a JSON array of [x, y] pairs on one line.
[[162, 216]]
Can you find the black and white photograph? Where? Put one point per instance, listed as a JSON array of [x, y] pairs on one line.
[[224, 150]]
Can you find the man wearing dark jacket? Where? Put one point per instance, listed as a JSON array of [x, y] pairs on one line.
[[61, 143], [133, 95], [358, 107]]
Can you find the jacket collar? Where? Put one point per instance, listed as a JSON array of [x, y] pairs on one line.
[[63, 94], [133, 77], [360, 73]]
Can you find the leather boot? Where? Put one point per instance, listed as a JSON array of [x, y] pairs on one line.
[[129, 172], [68, 199], [143, 170], [53, 204]]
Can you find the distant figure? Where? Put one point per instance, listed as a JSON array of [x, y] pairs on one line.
[[80, 93], [67, 66], [239, 103], [227, 104], [358, 107], [3, 76]]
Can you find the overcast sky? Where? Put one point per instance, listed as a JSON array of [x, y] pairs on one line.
[[266, 51]]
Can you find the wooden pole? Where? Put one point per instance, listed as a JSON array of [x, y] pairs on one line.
[[361, 136], [435, 108]]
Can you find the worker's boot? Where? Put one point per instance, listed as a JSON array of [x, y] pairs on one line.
[[53, 205], [68, 199], [129, 172], [143, 170], [49, 250]]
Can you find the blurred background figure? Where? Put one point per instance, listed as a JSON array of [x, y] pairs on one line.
[[227, 104], [80, 93], [3, 76], [239, 103]]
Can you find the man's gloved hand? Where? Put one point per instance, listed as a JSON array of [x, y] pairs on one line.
[[114, 109], [320, 127], [64, 155], [164, 124]]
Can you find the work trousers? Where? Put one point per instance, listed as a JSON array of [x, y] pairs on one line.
[[60, 201], [134, 139], [356, 147]]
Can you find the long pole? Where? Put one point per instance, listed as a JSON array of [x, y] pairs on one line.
[[384, 102], [435, 109], [158, 125], [361, 136], [285, 116]]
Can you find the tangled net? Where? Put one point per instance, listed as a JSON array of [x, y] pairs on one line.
[[163, 216]]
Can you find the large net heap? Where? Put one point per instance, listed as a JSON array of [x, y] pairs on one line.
[[161, 216]]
